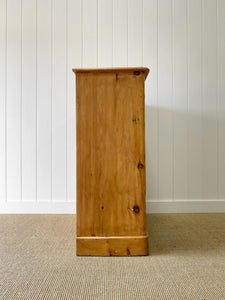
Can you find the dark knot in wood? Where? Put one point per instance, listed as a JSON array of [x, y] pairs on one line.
[[136, 209], [135, 120], [136, 73], [140, 166]]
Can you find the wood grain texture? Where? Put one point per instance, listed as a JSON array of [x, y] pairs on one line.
[[113, 246], [110, 153], [114, 70]]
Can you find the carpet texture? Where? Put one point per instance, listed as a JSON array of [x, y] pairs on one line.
[[187, 260]]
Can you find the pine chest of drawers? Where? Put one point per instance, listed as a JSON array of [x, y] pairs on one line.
[[110, 135]]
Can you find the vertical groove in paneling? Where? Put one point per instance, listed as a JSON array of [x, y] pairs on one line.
[[59, 102], [187, 74], [66, 67], [151, 110], [21, 100], [74, 61], [217, 115], [194, 95], [202, 87], [36, 132], [28, 103], [127, 30], [52, 65], [172, 99], [142, 38], [6, 54], [202, 29], [112, 16], [44, 99], [210, 101], [119, 33], [3, 41], [97, 62], [105, 38], [180, 112], [6, 97], [52, 80], [90, 37], [13, 100], [221, 97], [134, 33], [157, 97], [82, 42], [165, 100]]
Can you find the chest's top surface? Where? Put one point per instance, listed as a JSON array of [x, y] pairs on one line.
[[133, 70]]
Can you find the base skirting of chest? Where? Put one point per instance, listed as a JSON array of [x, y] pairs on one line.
[[112, 246]]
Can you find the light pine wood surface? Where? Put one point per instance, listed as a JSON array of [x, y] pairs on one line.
[[111, 162]]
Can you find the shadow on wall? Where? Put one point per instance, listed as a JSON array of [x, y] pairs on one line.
[[184, 155]]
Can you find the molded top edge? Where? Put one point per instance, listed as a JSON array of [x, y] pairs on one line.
[[113, 70]]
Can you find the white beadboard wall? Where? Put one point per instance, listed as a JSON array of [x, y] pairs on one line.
[[181, 41]]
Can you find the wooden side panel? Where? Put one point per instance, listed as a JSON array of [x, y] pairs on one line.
[[115, 246], [110, 154]]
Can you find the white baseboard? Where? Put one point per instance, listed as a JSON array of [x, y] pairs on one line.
[[37, 207], [185, 206], [69, 207]]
